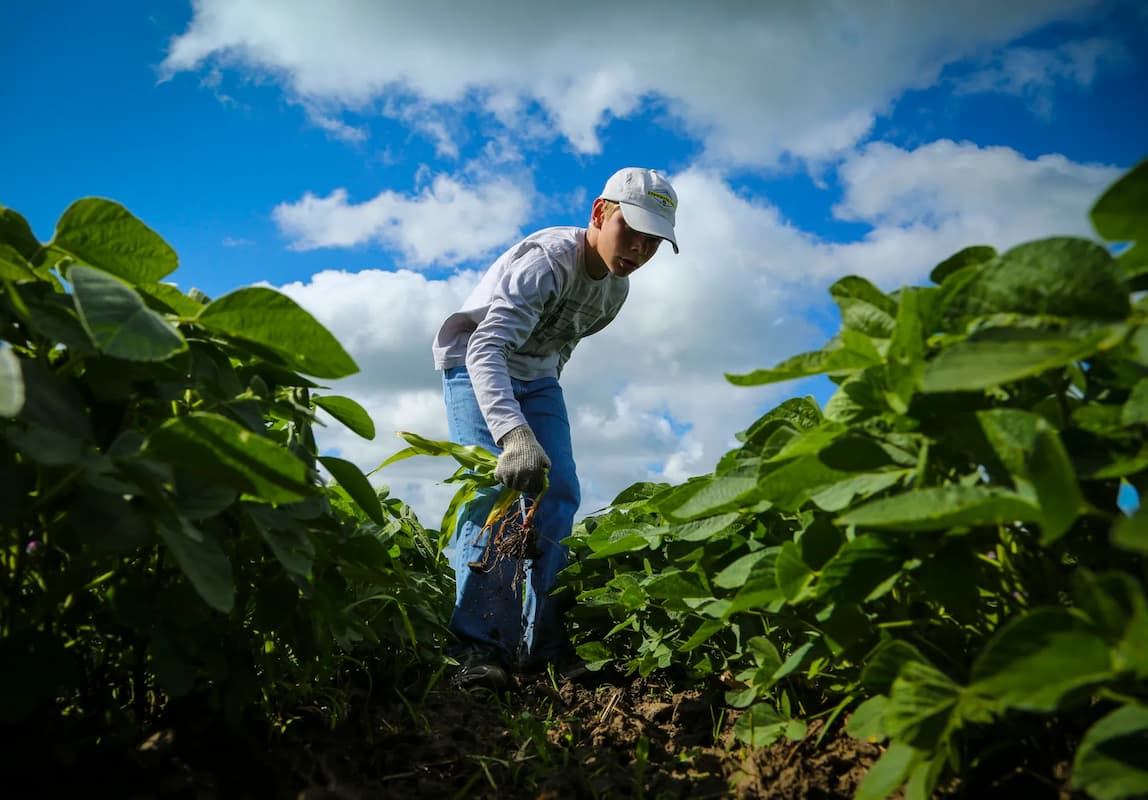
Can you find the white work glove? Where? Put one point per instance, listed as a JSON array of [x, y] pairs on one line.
[[523, 462]]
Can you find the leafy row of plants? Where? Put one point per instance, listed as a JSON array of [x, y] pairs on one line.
[[939, 551], [165, 525]]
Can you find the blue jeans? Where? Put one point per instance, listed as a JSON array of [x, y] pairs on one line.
[[526, 630]]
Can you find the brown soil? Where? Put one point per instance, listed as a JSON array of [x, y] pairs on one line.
[[600, 738]]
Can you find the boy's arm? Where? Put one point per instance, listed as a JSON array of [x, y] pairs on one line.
[[516, 305]]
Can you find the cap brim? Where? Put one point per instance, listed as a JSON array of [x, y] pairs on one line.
[[649, 223]]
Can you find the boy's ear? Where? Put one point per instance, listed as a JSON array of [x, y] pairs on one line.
[[596, 212]]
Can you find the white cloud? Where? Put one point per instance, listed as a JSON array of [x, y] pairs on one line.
[[449, 221], [1033, 73], [927, 203], [754, 81]]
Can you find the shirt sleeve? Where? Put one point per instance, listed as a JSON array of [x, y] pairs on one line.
[[516, 304]]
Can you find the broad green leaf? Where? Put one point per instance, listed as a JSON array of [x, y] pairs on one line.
[[885, 662], [675, 585], [905, 358], [595, 654], [867, 722], [922, 706], [711, 496], [16, 233], [841, 494], [225, 451], [860, 396], [799, 413], [1131, 533], [202, 560], [864, 307], [1035, 661], [471, 456], [949, 577], [735, 575], [348, 412], [1061, 500], [11, 384], [174, 671], [760, 725], [14, 267], [1135, 408], [860, 566], [789, 485], [834, 361], [701, 529], [793, 574], [943, 507], [626, 543], [276, 323], [1000, 355], [166, 298], [976, 254], [105, 235], [1061, 276], [1121, 213], [285, 536], [890, 771], [700, 636], [1109, 762], [356, 485], [118, 321]]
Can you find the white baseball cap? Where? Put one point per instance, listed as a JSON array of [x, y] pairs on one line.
[[648, 201]]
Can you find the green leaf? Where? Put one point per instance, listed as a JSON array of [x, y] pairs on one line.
[[471, 456], [1121, 213], [1061, 500], [675, 584], [348, 412], [710, 496], [1131, 533], [225, 451], [118, 321], [922, 706], [864, 307], [859, 567], [943, 507], [1000, 355], [834, 361], [867, 722], [736, 574], [11, 384], [1035, 661], [357, 486], [105, 235], [168, 299], [702, 529], [276, 323], [890, 771], [14, 267], [1110, 763], [975, 254], [905, 358], [1135, 408], [202, 560], [760, 725], [1061, 276], [793, 574], [885, 662], [16, 233]]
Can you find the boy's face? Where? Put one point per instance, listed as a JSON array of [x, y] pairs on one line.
[[623, 249]]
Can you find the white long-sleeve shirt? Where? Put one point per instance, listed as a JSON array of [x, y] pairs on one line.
[[524, 319]]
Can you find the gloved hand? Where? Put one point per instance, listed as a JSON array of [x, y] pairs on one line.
[[523, 462]]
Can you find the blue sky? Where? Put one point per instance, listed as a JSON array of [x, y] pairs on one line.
[[370, 157]]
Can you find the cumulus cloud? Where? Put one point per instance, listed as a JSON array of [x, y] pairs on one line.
[[753, 81], [647, 396], [449, 221]]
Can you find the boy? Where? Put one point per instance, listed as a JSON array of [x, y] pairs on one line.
[[501, 355]]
